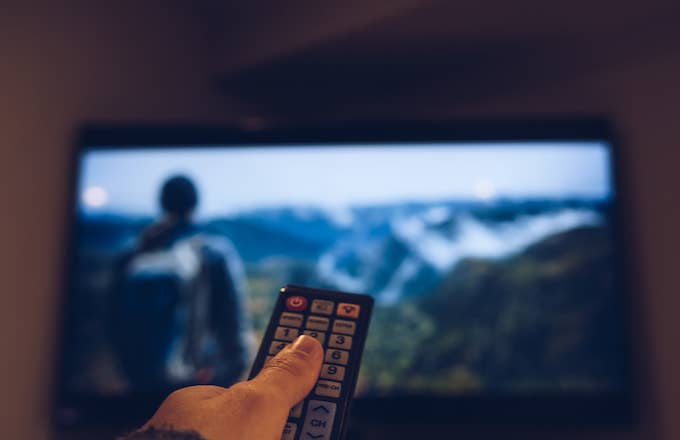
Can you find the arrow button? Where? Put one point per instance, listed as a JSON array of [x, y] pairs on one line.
[[321, 408]]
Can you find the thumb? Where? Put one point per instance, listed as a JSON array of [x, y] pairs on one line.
[[292, 373]]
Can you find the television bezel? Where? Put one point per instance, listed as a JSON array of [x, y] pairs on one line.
[[70, 409]]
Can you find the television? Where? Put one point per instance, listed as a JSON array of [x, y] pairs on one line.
[[493, 250]]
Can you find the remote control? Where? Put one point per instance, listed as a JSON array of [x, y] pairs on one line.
[[339, 321]]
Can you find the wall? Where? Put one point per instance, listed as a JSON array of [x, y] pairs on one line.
[[257, 31], [62, 63]]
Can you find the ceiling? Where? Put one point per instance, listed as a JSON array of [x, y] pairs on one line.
[[290, 57]]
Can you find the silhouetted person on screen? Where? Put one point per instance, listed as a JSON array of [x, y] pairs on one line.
[[179, 316]]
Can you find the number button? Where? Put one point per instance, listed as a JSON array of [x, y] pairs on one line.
[[286, 334], [337, 356], [319, 336], [347, 310], [335, 372], [277, 346], [340, 341]]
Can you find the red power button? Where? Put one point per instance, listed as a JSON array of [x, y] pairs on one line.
[[296, 303]]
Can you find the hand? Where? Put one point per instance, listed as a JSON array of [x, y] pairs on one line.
[[256, 409]]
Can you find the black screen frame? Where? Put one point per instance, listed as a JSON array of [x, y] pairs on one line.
[[603, 409]]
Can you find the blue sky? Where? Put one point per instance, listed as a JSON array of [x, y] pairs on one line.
[[236, 179]]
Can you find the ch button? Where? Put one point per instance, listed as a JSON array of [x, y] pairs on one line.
[[319, 420]]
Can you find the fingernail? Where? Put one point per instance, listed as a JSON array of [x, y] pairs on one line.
[[305, 343]]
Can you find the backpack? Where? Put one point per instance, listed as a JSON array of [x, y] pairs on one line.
[[163, 328]]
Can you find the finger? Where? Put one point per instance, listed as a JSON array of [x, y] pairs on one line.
[[291, 374]]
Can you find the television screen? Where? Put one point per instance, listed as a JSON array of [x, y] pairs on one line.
[[491, 262]]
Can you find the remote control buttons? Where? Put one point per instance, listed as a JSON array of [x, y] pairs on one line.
[[328, 388], [317, 323], [296, 303], [319, 336], [340, 341], [319, 420], [286, 334], [345, 327], [335, 372], [289, 431], [347, 310], [322, 307], [291, 319], [277, 346], [297, 410], [337, 356]]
